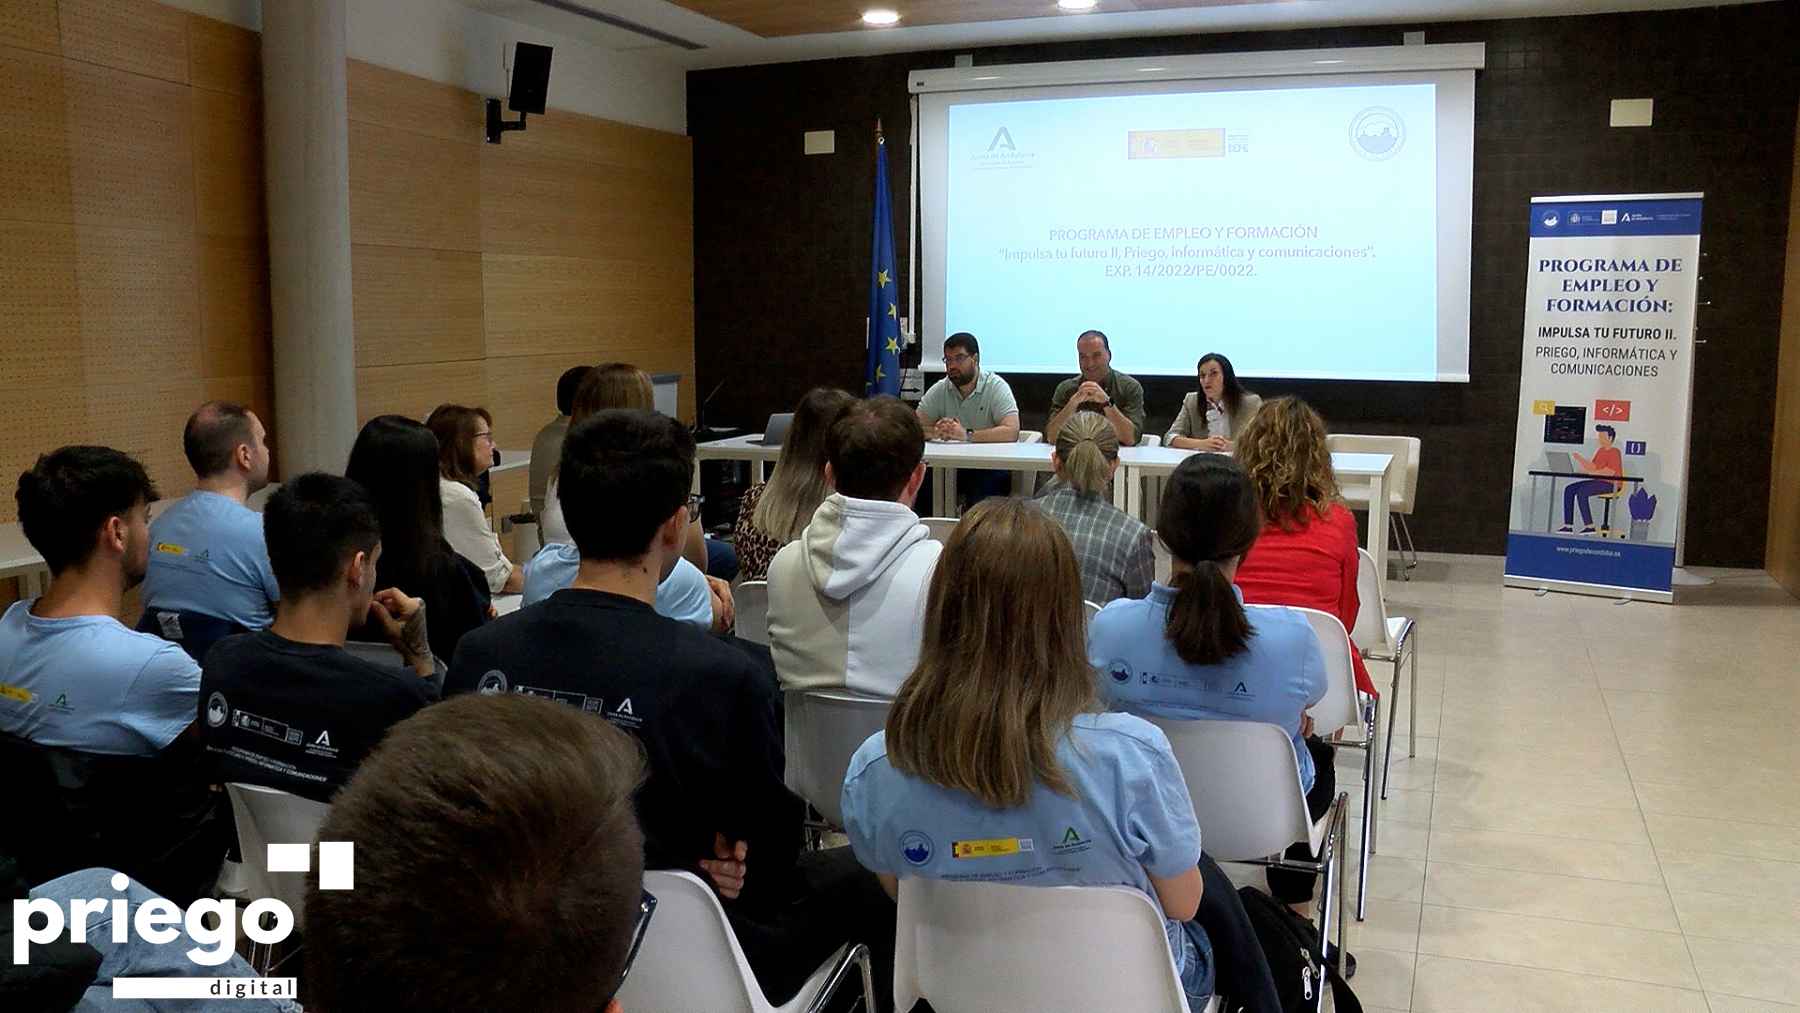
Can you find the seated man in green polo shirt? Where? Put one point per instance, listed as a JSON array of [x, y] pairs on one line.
[[1099, 388], [970, 405]]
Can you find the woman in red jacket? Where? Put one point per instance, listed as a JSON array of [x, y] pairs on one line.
[[1306, 554]]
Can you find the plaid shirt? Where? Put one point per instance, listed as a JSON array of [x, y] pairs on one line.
[[1112, 547]]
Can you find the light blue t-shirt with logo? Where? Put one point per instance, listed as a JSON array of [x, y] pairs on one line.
[[207, 555], [90, 684], [682, 596], [1274, 680], [1131, 819]]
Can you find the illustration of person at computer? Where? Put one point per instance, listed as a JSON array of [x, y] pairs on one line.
[[1606, 461]]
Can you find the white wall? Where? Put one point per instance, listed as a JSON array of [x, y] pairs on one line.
[[442, 40]]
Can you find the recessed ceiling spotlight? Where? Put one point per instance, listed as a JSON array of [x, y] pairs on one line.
[[881, 17], [1077, 5]]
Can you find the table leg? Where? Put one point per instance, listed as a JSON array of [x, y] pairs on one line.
[[759, 471], [1124, 484], [1378, 526], [944, 492]]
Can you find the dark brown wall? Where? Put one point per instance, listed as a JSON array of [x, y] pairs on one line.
[[781, 240]]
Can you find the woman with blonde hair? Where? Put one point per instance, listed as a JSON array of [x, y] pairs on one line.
[[1113, 548], [465, 452], [1306, 555], [774, 513], [996, 738]]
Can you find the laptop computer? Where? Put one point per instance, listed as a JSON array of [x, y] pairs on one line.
[[776, 430], [1559, 461]]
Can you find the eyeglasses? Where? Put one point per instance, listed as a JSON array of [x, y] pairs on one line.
[[486, 436], [646, 908], [957, 360]]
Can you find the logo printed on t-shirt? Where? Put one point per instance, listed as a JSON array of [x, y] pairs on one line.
[[19, 693], [324, 739], [1120, 670], [61, 703], [916, 847], [216, 710], [993, 847], [492, 682], [1241, 690], [171, 549], [1072, 843], [625, 716]]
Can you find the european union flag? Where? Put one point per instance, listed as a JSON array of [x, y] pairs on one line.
[[883, 374]]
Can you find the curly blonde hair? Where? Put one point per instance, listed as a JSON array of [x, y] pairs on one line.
[[1283, 451]]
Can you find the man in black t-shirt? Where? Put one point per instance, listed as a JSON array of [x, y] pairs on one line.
[[289, 707], [708, 716]]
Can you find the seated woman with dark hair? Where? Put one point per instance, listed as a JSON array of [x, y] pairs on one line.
[[396, 460], [1216, 659], [1306, 554]]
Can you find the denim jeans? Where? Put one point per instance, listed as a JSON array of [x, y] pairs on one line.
[[137, 958], [1578, 492]]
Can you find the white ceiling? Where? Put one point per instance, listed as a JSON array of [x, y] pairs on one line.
[[726, 46]]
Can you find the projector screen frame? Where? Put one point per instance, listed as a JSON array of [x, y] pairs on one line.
[[1200, 67]]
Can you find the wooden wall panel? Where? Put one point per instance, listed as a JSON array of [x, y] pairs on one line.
[[416, 305], [228, 157], [139, 314], [234, 307], [30, 24], [408, 189], [389, 98], [415, 389], [34, 151], [144, 417], [38, 419], [131, 157], [539, 204], [224, 57], [39, 310], [135, 35], [596, 142]]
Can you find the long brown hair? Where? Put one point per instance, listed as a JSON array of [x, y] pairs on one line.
[[1085, 446], [1284, 453], [1208, 517], [455, 427], [798, 485], [613, 385], [1003, 669]]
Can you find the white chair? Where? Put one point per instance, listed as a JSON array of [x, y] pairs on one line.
[[1092, 609], [1030, 436], [691, 960], [268, 816], [1149, 440], [1344, 706], [1024, 483], [1246, 791], [751, 601], [1164, 560], [527, 536], [940, 528], [971, 946], [1390, 639], [823, 730], [1401, 494]]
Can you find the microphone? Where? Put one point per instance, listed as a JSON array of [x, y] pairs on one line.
[[700, 412]]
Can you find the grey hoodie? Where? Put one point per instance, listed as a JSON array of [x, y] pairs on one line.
[[847, 598]]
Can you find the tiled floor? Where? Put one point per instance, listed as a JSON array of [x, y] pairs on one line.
[[1604, 814]]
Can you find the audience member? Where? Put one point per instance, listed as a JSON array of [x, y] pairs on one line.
[[547, 447], [615, 385], [1211, 417], [1194, 651], [465, 452], [995, 737], [707, 714], [395, 460], [1098, 389], [846, 598], [1306, 554], [1114, 549], [971, 405], [108, 708], [296, 676], [207, 555], [499, 865], [774, 513], [685, 595]]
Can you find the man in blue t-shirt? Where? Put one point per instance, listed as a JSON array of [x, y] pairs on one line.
[[71, 675], [206, 550]]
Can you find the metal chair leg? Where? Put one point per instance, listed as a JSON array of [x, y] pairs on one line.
[[1412, 723], [1411, 549], [1394, 538], [1368, 818], [1387, 762]]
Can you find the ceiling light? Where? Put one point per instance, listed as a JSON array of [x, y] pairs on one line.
[[880, 17], [1077, 5]]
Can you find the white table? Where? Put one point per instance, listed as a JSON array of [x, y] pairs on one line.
[[512, 460], [19, 559]]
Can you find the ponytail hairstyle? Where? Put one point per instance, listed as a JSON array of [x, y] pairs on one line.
[[1085, 446], [1209, 516]]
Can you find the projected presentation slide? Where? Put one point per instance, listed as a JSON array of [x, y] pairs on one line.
[[1293, 228]]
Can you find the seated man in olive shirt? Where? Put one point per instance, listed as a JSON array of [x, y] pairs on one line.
[[1099, 388]]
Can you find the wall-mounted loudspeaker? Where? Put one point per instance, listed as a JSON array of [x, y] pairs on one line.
[[530, 86]]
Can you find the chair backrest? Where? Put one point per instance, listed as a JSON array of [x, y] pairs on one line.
[[967, 946], [1244, 782], [690, 960], [1338, 707], [1371, 632], [267, 816], [1149, 440], [1030, 436], [191, 631], [1405, 451], [260, 498], [1092, 608], [528, 538], [824, 729], [940, 528], [1164, 559], [751, 600]]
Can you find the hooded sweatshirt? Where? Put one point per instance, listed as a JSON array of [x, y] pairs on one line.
[[847, 598]]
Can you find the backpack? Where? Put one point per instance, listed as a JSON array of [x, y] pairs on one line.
[[1289, 942]]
